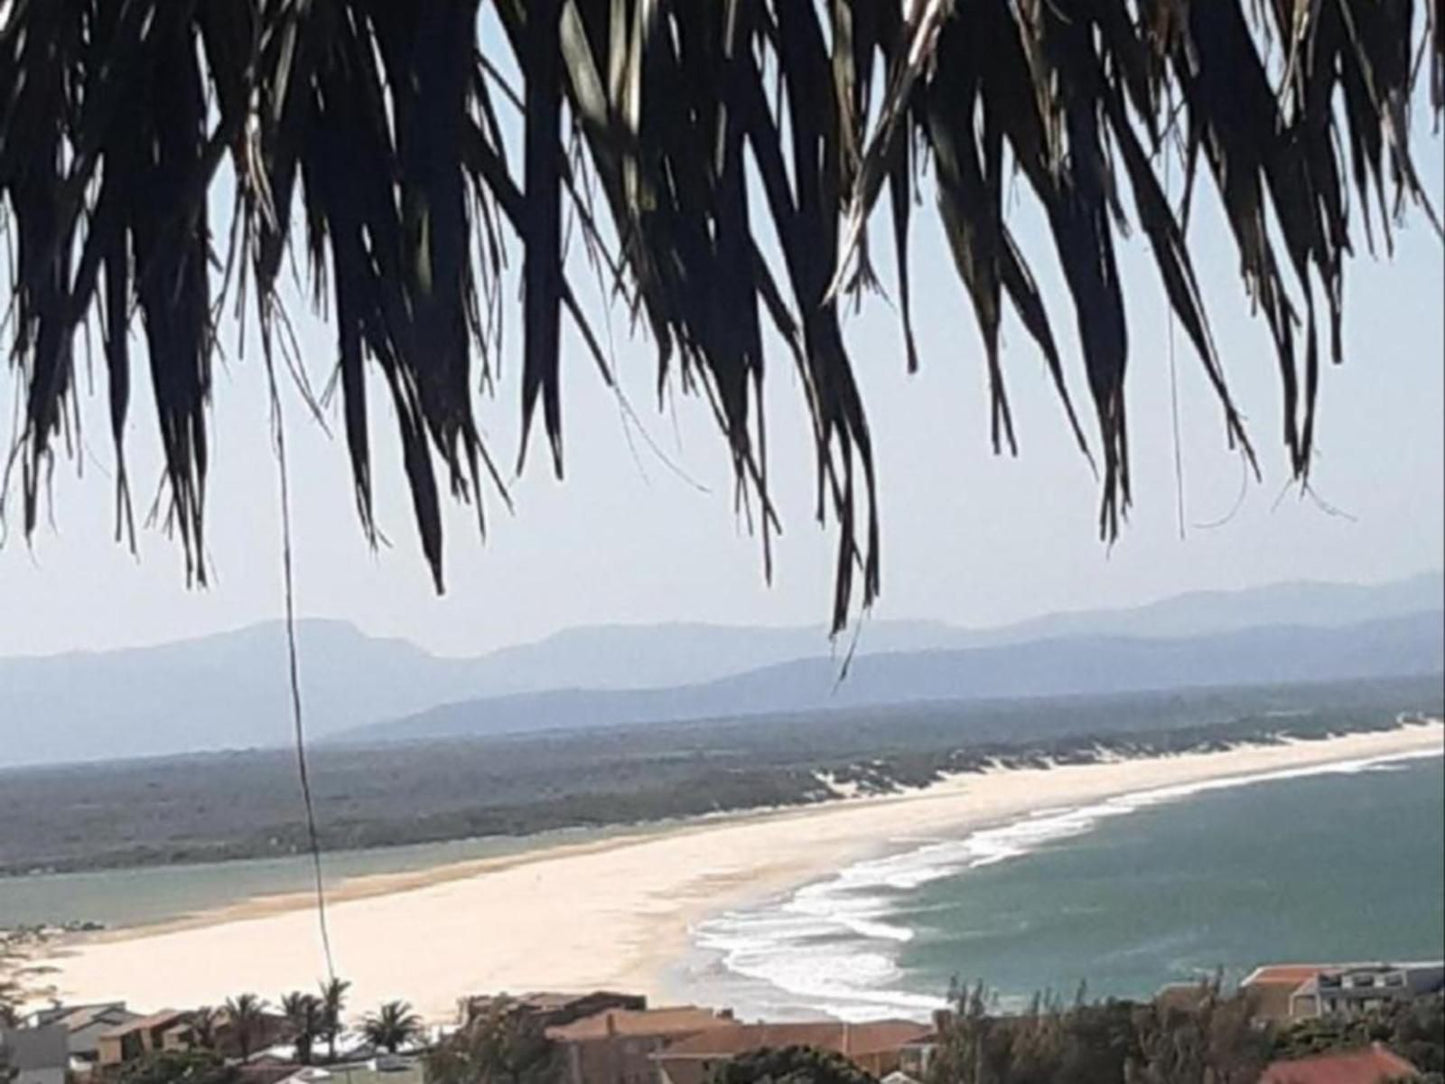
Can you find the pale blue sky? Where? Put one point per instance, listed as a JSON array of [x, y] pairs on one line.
[[968, 538]]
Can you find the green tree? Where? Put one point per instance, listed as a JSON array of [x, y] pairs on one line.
[[1213, 1042], [246, 1015], [791, 1065], [501, 1046], [975, 1047], [392, 1026], [1051, 1042], [305, 1022], [179, 1067], [205, 1022], [707, 131], [333, 1004]]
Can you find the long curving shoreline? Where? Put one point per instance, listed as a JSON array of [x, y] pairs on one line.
[[613, 912]]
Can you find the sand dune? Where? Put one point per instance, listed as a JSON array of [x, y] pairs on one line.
[[613, 913]]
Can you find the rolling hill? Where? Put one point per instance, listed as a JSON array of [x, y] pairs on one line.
[[228, 691], [1400, 646]]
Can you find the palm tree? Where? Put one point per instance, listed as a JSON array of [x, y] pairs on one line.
[[392, 1026], [333, 1002], [246, 1015], [306, 1020], [204, 1024], [392, 131]]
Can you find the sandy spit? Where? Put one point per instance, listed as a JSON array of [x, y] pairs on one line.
[[614, 913]]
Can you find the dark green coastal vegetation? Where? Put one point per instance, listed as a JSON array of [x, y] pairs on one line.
[[242, 805]]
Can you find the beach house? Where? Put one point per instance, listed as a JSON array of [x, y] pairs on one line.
[[136, 1038], [619, 1046], [1280, 993], [174, 1030], [1361, 988], [84, 1025]]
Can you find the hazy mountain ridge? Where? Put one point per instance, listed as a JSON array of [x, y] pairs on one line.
[[684, 653], [1065, 666], [229, 690]]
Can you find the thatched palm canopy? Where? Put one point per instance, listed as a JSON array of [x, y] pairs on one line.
[[370, 134]]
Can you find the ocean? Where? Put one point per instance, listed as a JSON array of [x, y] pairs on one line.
[[1345, 862]]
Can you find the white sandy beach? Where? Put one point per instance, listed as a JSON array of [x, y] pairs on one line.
[[609, 914]]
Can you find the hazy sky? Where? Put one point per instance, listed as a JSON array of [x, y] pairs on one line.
[[967, 537]]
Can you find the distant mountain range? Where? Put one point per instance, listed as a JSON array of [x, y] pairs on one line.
[[229, 690], [1281, 654]]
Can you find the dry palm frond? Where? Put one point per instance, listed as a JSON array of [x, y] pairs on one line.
[[707, 128]]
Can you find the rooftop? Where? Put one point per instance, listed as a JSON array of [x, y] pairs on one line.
[[673, 1020], [1372, 1065], [145, 1023], [76, 1017], [847, 1039], [1286, 974], [1301, 973], [548, 1000]]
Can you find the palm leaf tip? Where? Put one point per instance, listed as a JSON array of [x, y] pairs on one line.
[[706, 131]]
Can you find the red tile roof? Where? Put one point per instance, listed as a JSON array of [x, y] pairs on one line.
[[1290, 974], [1271, 987], [1373, 1065], [675, 1020], [853, 1040]]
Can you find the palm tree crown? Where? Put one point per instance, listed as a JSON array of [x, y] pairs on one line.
[[392, 1026], [306, 1020], [389, 134], [333, 1004], [204, 1023], [245, 1013]]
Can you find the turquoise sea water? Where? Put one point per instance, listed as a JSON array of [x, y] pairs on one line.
[[1347, 864]]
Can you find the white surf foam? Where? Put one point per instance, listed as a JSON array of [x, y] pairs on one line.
[[832, 946]]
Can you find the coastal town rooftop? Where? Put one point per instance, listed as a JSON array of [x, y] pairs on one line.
[[667, 1020], [1282, 992], [1373, 1065], [850, 1040]]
